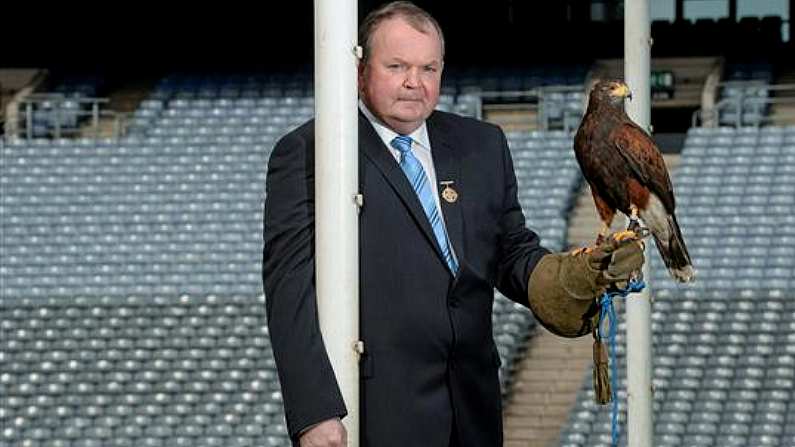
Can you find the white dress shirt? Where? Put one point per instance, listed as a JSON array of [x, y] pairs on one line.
[[420, 147]]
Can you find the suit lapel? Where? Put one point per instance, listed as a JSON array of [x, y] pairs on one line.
[[379, 154], [447, 165]]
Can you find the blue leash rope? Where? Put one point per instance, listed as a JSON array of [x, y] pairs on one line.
[[607, 310]]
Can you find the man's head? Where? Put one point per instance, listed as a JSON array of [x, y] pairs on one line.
[[401, 68]]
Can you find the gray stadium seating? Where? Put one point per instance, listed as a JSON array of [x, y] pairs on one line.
[[746, 93], [138, 370], [547, 176]]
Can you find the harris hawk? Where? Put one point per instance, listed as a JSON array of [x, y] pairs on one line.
[[626, 173]]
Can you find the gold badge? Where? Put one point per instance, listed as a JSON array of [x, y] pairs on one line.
[[449, 194]]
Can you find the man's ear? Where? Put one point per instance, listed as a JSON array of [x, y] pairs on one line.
[[360, 69]]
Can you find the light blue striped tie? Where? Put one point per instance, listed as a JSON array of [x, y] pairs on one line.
[[419, 181]]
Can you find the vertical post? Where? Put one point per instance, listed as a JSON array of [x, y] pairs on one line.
[[789, 23], [637, 73], [733, 10], [542, 110], [95, 117], [58, 107], [336, 189], [679, 10], [739, 103], [29, 120]]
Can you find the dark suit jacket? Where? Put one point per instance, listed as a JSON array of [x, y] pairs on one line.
[[430, 362]]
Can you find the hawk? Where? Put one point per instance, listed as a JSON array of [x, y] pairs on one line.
[[626, 173]]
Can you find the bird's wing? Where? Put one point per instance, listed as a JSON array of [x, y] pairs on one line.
[[645, 160]]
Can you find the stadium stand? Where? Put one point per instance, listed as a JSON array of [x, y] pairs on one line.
[[138, 370], [132, 310], [131, 307], [744, 94], [514, 79], [548, 175], [724, 360]]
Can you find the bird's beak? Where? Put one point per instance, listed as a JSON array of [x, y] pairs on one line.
[[624, 92]]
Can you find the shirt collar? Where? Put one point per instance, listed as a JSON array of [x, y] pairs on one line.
[[419, 136]]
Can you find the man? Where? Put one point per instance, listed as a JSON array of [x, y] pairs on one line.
[[429, 265]]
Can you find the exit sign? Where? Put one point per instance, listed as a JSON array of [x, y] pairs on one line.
[[662, 84]]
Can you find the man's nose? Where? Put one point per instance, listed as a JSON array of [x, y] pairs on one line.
[[412, 78]]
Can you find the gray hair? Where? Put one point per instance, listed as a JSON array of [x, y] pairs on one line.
[[416, 17]]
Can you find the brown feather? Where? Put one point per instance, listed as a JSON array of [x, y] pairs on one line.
[[606, 212], [638, 194], [641, 154]]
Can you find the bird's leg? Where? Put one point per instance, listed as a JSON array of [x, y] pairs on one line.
[[634, 224], [633, 229]]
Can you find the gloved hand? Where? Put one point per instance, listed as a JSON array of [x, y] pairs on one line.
[[588, 273], [563, 287]]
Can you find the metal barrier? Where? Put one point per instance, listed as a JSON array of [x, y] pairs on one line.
[[56, 115], [743, 102]]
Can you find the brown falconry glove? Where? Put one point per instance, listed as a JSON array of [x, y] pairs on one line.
[[564, 287]]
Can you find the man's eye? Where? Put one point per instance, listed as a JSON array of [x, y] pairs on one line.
[[430, 69], [394, 66]]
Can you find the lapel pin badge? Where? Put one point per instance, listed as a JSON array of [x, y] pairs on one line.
[[449, 194]]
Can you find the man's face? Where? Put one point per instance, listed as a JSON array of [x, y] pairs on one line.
[[400, 81]]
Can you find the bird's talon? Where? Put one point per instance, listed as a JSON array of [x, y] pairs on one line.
[[634, 225], [581, 250], [625, 235]]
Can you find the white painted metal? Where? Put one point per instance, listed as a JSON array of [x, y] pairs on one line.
[[336, 190], [637, 74]]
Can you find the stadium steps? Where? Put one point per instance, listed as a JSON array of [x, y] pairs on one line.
[[784, 114], [512, 117], [545, 389], [104, 129], [584, 223]]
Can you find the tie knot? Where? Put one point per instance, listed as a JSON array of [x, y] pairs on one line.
[[402, 143]]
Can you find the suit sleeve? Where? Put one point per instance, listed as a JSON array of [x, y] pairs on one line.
[[519, 247], [309, 387]]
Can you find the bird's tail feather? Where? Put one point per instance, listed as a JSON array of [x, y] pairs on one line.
[[674, 253]]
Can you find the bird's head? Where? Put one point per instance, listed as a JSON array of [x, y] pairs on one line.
[[611, 91]]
